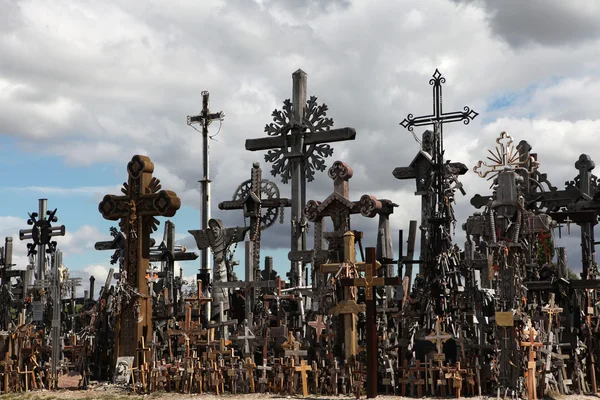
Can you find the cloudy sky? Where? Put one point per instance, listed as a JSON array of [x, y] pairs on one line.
[[85, 85]]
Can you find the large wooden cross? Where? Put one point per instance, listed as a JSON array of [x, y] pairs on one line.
[[297, 145], [141, 202], [347, 306], [369, 282]]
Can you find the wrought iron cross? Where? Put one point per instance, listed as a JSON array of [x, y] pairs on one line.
[[437, 115], [41, 234]]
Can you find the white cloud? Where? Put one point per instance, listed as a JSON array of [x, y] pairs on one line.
[[103, 95], [98, 271]]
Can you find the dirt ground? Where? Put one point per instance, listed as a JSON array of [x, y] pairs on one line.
[[115, 393]]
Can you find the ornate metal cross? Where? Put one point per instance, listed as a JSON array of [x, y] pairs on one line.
[[297, 145], [41, 233], [249, 197], [137, 208], [505, 155], [437, 115]]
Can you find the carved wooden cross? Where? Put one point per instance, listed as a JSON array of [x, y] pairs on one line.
[[348, 306], [142, 201], [278, 297], [167, 252], [552, 310], [369, 281], [531, 364], [250, 367]]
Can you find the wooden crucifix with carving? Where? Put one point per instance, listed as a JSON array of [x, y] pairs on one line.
[[142, 201]]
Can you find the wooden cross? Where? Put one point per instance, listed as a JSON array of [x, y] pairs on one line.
[[248, 335], [250, 367], [347, 306], [438, 337], [319, 326], [369, 281], [142, 201], [303, 368], [278, 297], [552, 310], [419, 381], [531, 364], [263, 380]]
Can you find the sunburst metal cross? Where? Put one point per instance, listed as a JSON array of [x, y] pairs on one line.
[[504, 156], [438, 116]]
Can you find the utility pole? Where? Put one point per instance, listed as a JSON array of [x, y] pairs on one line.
[[205, 118]]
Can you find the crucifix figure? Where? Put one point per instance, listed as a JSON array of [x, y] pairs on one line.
[[143, 191], [297, 146], [219, 239], [205, 118], [41, 233]]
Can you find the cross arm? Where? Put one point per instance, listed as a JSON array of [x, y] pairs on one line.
[[164, 203], [53, 231], [112, 207], [275, 142]]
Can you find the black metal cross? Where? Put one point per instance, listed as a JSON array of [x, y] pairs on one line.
[[41, 233], [438, 116]]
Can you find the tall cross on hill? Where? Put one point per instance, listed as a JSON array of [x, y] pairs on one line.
[[141, 202], [437, 115], [205, 118], [297, 145]]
